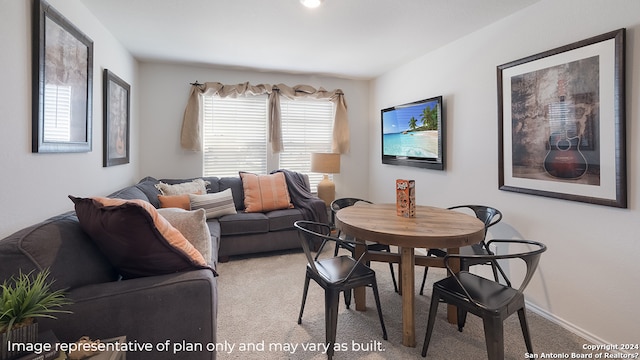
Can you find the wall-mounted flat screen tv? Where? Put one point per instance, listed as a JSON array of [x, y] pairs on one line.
[[413, 134]]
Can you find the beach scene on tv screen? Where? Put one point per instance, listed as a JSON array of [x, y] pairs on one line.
[[411, 131]]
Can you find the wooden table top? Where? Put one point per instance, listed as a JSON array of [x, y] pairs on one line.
[[431, 228]]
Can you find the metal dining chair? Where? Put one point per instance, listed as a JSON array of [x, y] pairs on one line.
[[488, 299], [371, 246], [335, 275], [489, 216]]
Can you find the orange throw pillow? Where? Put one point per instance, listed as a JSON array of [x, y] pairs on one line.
[[265, 192], [175, 201]]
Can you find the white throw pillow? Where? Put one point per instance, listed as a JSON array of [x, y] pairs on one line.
[[197, 186], [215, 204], [193, 226]]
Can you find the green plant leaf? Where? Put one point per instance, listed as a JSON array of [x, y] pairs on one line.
[[29, 296]]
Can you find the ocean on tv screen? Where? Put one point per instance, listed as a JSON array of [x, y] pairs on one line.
[[422, 144]]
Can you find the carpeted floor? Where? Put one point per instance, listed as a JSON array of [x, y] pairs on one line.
[[259, 301]]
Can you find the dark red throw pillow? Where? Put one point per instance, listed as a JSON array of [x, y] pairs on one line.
[[135, 238]]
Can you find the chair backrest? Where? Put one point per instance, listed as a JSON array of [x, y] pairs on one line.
[[341, 203], [530, 257], [488, 215], [310, 232]]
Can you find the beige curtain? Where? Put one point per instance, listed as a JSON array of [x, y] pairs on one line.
[[191, 137]]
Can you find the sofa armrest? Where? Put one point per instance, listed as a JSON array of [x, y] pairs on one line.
[[176, 307]]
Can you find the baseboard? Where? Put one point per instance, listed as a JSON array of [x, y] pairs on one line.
[[589, 337]]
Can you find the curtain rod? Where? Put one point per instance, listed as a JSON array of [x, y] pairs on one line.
[[196, 83]]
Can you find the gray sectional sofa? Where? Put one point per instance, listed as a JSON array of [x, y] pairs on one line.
[[151, 309], [247, 233]]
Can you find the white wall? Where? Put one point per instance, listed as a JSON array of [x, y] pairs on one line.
[[164, 92], [588, 279], [34, 187]]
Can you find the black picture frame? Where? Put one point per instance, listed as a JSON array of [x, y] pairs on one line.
[[561, 122], [62, 88], [116, 129]]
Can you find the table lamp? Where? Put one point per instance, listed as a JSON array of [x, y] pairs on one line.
[[326, 163]]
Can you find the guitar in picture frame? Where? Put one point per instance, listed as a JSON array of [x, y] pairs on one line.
[[564, 160]]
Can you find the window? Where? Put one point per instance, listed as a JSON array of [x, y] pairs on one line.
[[57, 114], [235, 135]]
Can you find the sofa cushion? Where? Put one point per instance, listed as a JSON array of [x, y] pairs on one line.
[[60, 245], [148, 187], [243, 223], [265, 192], [129, 193], [135, 238], [212, 184], [175, 201], [215, 204], [283, 219], [193, 226], [197, 186], [214, 230], [235, 184]]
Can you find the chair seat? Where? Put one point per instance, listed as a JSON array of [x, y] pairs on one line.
[[336, 269], [491, 294]]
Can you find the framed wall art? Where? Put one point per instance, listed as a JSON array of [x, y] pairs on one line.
[[561, 122], [117, 96], [62, 88]]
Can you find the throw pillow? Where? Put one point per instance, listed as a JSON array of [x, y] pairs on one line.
[[197, 186], [175, 201], [193, 226], [215, 204], [135, 238], [265, 192]]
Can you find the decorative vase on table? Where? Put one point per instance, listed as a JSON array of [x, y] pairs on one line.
[[18, 335]]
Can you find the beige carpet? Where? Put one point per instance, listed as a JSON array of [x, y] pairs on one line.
[[259, 301]]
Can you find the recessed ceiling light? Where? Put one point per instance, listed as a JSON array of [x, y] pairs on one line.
[[311, 3]]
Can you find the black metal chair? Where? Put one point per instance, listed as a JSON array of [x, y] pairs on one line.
[[488, 299], [489, 216], [335, 275], [371, 246]]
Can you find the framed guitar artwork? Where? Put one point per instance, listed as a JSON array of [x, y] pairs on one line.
[[561, 122]]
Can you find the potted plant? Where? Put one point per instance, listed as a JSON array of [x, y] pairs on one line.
[[24, 299]]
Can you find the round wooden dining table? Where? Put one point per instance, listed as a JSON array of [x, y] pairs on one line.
[[432, 227]]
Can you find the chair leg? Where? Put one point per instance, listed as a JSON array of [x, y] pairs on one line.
[[462, 318], [347, 298], [494, 337], [424, 280], [433, 311], [525, 330], [393, 278], [374, 285], [393, 275], [304, 298], [331, 299]]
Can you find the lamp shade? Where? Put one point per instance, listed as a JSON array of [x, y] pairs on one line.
[[325, 163]]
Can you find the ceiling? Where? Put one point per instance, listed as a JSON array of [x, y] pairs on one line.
[[358, 39]]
